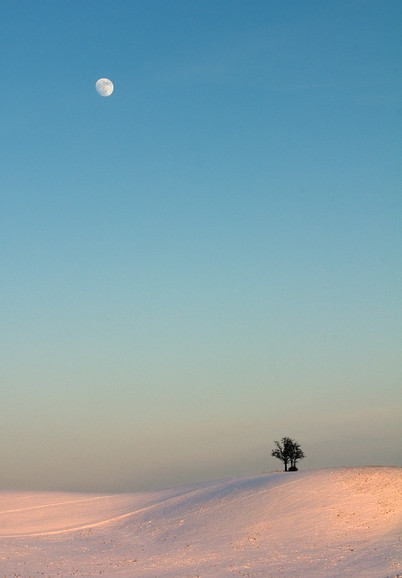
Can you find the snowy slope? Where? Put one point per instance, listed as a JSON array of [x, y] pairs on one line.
[[340, 522]]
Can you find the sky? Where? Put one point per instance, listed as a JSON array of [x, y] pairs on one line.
[[210, 258]]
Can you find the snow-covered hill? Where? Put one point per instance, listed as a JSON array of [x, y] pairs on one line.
[[338, 522]]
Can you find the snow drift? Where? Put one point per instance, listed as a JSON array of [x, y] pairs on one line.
[[338, 522]]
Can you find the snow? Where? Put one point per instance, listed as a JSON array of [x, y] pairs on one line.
[[335, 522]]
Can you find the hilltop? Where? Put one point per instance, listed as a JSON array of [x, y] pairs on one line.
[[333, 522]]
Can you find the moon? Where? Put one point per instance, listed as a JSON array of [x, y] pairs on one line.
[[104, 87]]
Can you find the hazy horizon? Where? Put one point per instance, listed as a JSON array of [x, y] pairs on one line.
[[210, 258]]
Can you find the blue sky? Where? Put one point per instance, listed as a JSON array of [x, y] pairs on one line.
[[209, 259]]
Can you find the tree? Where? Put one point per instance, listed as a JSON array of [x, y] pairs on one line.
[[296, 454], [288, 451]]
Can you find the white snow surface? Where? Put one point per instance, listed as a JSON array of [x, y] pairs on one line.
[[334, 522]]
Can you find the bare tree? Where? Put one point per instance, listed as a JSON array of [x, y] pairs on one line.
[[288, 451], [281, 452], [296, 454]]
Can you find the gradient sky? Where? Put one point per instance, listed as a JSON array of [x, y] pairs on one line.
[[211, 258]]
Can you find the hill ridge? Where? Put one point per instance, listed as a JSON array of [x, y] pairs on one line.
[[327, 522]]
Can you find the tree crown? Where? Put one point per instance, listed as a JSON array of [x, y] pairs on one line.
[[288, 450]]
